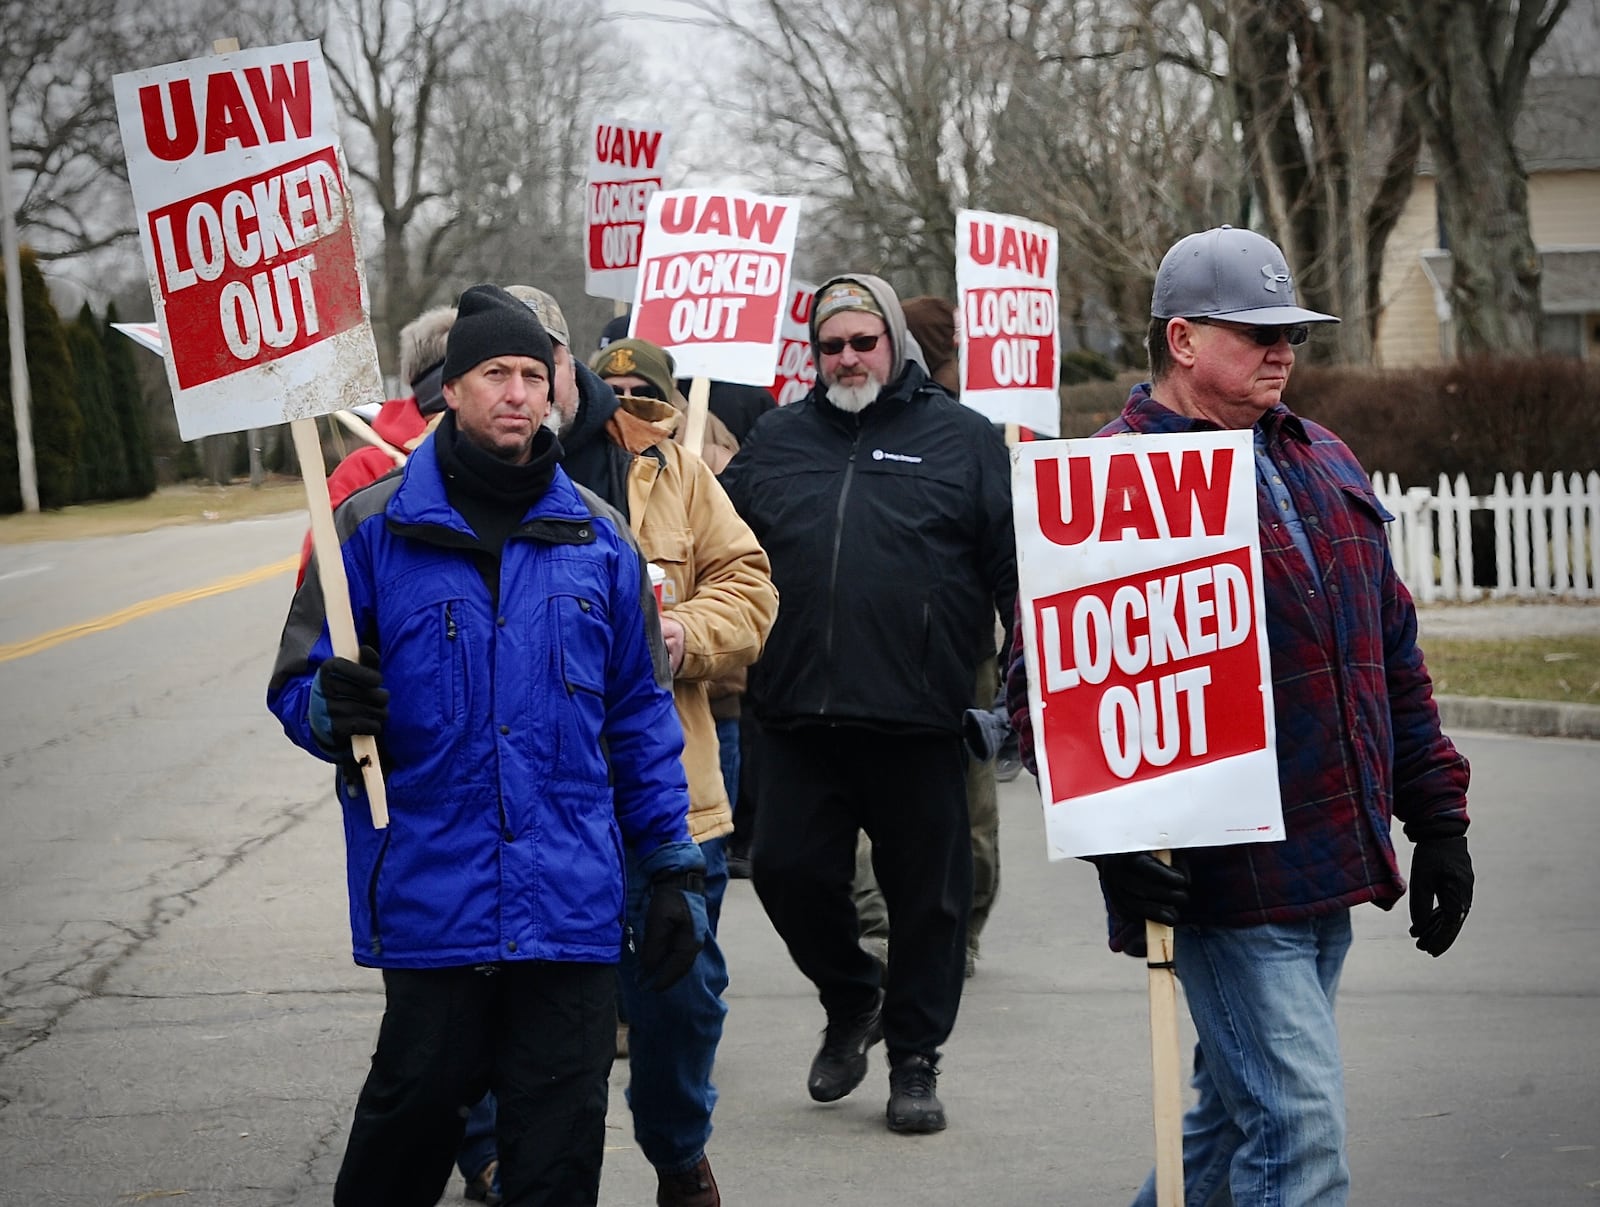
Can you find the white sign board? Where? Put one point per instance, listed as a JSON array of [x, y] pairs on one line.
[[249, 237], [626, 162], [1009, 308], [1144, 626], [713, 281], [797, 369]]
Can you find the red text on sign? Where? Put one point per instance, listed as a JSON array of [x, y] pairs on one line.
[[1150, 674], [749, 221], [616, 215], [796, 373], [257, 269], [1156, 495], [627, 148], [710, 297], [1010, 339], [1007, 247], [272, 106]]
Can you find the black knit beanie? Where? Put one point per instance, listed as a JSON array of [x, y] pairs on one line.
[[490, 322]]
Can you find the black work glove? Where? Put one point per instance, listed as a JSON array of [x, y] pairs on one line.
[[1441, 870], [353, 699], [1139, 885], [675, 928]]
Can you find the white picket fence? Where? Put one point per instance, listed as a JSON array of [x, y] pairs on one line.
[[1546, 539]]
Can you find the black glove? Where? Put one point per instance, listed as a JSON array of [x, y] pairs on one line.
[[1441, 870], [1139, 885], [356, 700], [675, 928]]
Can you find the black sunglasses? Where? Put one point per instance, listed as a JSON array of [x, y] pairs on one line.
[[860, 343], [1266, 337]]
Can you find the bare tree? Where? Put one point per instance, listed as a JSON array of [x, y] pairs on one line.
[[879, 109], [56, 64], [1331, 147], [1117, 132], [1463, 68]]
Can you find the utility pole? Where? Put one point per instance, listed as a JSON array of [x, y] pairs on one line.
[[21, 403]]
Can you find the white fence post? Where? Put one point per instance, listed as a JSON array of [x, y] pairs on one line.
[[1546, 541]]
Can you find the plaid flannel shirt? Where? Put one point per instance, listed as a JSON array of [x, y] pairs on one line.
[[1358, 731]]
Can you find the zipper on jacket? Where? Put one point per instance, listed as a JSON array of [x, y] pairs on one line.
[[833, 569], [372, 893], [449, 623]]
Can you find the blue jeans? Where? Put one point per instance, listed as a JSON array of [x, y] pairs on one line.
[[673, 1035], [477, 1142], [1269, 1127], [728, 754]]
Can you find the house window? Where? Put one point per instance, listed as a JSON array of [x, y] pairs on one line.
[[1562, 335]]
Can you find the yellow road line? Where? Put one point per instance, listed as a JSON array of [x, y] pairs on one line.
[[161, 603]]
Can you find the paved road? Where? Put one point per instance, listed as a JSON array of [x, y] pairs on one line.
[[179, 1016]]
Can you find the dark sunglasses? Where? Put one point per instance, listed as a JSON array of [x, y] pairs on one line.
[[860, 343], [1266, 337]]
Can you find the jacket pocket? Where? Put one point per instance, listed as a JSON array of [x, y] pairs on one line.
[[583, 638]]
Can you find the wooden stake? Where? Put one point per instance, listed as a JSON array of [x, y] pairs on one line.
[[1165, 1060], [694, 432], [362, 430], [336, 597]]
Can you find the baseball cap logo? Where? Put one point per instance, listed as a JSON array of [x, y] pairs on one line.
[[1274, 279]]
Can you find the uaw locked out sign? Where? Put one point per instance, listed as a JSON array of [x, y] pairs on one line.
[[1150, 691], [713, 281], [249, 237]]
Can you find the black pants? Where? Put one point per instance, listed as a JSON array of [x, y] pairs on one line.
[[539, 1034], [819, 786]]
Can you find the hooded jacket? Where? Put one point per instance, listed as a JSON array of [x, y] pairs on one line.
[[528, 740], [890, 538], [719, 582]]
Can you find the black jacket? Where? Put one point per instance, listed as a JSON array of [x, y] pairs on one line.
[[891, 546]]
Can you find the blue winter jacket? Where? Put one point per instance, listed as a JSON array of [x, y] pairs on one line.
[[523, 750]]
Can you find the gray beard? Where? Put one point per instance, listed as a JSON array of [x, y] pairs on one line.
[[855, 399]]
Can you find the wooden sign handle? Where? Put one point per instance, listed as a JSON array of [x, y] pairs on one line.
[[694, 432], [336, 598], [1165, 1060]]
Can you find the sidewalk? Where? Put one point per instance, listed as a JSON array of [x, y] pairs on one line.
[[1537, 718]]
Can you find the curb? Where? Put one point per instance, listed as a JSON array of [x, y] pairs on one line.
[[1535, 718]]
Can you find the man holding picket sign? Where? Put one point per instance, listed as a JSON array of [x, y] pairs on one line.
[[1261, 927], [513, 673]]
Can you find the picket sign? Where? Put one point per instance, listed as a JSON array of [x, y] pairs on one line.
[[1546, 538], [1009, 306], [627, 162], [1149, 682], [713, 280], [251, 248], [797, 369]]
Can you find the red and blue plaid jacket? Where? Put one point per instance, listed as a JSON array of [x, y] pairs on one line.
[[1358, 730]]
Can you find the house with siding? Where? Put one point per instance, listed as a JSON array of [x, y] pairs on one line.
[[1558, 139]]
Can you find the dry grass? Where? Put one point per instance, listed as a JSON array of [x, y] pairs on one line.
[[186, 503], [1529, 668]]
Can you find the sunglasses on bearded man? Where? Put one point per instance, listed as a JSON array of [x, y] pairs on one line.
[[860, 343]]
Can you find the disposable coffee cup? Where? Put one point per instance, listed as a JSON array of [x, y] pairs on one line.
[[658, 582]]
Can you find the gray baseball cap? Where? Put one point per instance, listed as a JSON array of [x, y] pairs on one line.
[[1231, 274]]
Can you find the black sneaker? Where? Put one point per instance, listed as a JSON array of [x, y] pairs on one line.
[[841, 1062], [914, 1108]]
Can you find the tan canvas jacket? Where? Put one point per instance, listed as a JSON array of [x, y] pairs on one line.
[[719, 585]]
